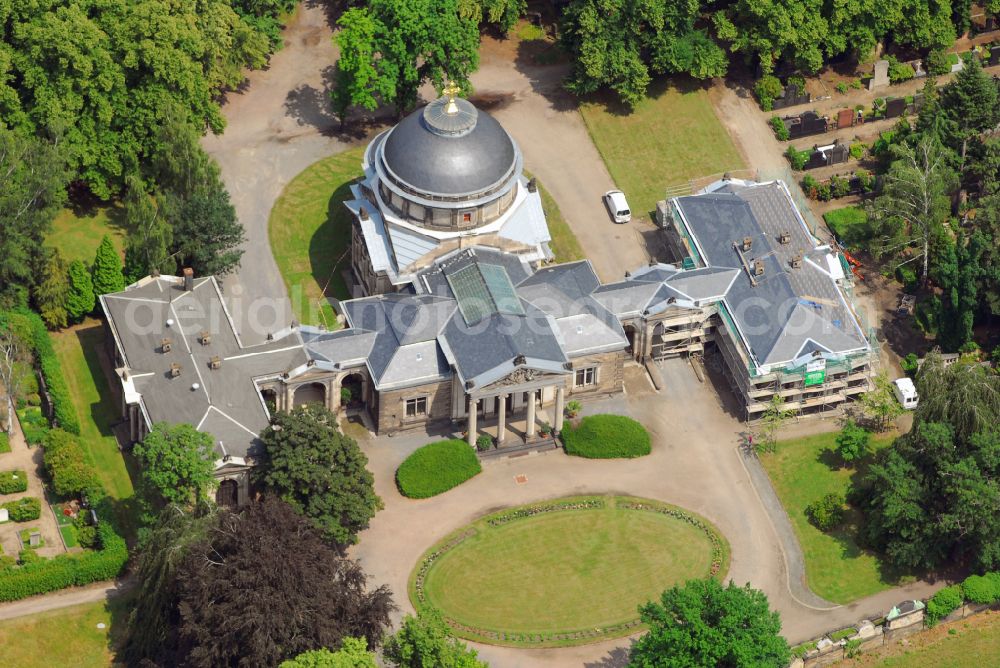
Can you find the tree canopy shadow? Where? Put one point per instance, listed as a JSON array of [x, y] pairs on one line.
[[616, 658]]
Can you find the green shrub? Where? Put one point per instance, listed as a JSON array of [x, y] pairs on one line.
[[12, 482], [767, 89], [346, 396], [852, 648], [910, 364], [943, 603], [86, 535], [572, 408], [826, 513], [67, 466], [26, 509], [436, 468], [857, 85], [865, 179], [842, 88], [937, 62], [484, 442], [843, 633], [4, 442], [34, 425], [907, 275], [39, 576], [853, 442], [606, 437], [900, 72], [839, 186], [858, 150], [780, 131], [980, 589], [823, 192], [797, 158]]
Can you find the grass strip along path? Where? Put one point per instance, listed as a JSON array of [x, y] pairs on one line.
[[564, 572]]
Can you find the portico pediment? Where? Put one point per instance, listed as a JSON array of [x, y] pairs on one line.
[[521, 376]]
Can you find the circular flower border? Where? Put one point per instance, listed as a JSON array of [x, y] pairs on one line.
[[720, 563]]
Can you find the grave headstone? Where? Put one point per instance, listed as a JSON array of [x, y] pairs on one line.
[[34, 539], [866, 629], [918, 68], [4, 515], [895, 107], [845, 118], [994, 55], [880, 77], [957, 67]]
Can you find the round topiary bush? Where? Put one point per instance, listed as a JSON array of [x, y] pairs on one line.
[[436, 468], [606, 437]]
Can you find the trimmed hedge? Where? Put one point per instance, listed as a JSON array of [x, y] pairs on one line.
[[27, 509], [436, 468], [67, 466], [943, 603], [45, 357], [982, 589], [606, 437], [12, 482], [66, 570]]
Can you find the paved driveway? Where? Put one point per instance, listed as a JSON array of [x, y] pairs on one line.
[[695, 463]]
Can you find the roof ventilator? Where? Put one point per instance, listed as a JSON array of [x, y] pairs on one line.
[[205, 338], [215, 362], [175, 370], [785, 238], [166, 345], [747, 244], [758, 267], [797, 261]]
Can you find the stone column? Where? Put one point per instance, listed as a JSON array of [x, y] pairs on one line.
[[502, 422], [289, 398], [332, 396], [531, 414], [473, 409], [560, 396]]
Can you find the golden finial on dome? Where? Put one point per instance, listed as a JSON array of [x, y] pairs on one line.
[[451, 90]]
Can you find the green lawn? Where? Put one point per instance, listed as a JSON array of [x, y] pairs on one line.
[[76, 234], [849, 225], [671, 137], [971, 644], [66, 637], [564, 244], [310, 233], [564, 571], [802, 471], [77, 349]]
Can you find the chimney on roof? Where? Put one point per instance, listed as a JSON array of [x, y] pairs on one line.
[[165, 345], [532, 185], [363, 213], [205, 338], [785, 238], [747, 244], [797, 261], [758, 267], [215, 362], [175, 369], [188, 279]]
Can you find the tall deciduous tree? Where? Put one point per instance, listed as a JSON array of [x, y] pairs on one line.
[[53, 291], [319, 471], [290, 592], [177, 463], [880, 403], [80, 298], [619, 44], [33, 177], [426, 640], [502, 13], [149, 234], [703, 624], [106, 272], [391, 47], [353, 653], [932, 498], [914, 202]]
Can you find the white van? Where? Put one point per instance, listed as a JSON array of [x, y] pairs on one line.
[[617, 206], [906, 392]]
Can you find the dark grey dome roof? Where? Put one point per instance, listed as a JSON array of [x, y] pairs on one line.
[[450, 154]]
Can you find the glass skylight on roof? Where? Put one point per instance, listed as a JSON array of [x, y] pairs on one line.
[[482, 290]]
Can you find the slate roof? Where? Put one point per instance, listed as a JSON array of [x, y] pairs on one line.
[[432, 161], [226, 403], [786, 311], [419, 337]]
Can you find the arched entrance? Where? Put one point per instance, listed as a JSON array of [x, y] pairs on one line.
[[352, 391], [630, 334], [228, 494], [270, 398], [310, 393]]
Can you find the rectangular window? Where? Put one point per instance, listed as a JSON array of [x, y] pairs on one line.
[[585, 377], [416, 407], [467, 217]]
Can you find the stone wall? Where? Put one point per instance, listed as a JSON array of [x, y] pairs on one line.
[[390, 412], [610, 375]]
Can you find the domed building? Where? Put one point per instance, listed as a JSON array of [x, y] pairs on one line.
[[445, 177]]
